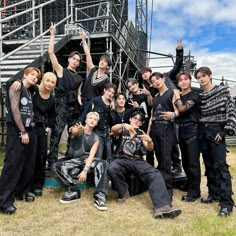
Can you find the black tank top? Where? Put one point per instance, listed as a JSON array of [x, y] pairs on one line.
[[70, 81], [162, 103], [93, 89]]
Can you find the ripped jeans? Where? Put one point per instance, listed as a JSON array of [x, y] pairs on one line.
[[68, 170]]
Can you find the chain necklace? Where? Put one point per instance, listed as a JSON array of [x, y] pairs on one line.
[[121, 115], [72, 72]]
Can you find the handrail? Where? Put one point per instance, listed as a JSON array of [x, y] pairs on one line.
[[14, 5], [32, 40], [26, 11], [21, 27]]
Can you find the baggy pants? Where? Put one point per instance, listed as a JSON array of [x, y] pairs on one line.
[[68, 170], [62, 119], [164, 139], [150, 176], [217, 170], [190, 153], [18, 169], [41, 156]]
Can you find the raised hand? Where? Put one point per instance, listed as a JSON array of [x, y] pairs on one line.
[[144, 137], [76, 129], [53, 29], [83, 35], [176, 94], [133, 103], [179, 44], [145, 91]]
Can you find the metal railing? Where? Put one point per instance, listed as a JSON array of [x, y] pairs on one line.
[[33, 11], [32, 22], [104, 17]]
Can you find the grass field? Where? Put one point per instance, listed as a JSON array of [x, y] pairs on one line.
[[46, 216]]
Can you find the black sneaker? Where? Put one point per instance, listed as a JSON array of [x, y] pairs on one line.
[[37, 192], [70, 197], [166, 212], [224, 212], [100, 205], [25, 197]]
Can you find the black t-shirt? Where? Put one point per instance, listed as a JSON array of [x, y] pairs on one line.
[[70, 81], [44, 109], [93, 88], [192, 114], [121, 117], [127, 147], [141, 99]]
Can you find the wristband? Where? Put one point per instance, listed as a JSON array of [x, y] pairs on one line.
[[86, 169]]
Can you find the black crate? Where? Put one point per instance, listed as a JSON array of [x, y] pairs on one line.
[[136, 186]]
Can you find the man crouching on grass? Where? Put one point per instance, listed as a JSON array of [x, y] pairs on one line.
[[132, 145], [78, 162]]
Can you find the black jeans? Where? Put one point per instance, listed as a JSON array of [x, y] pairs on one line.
[[190, 153], [18, 169], [164, 140], [104, 147], [150, 176], [217, 170], [41, 156]]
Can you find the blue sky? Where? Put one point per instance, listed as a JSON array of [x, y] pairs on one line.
[[207, 28]]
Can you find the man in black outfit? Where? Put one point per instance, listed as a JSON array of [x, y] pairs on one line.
[[21, 145], [133, 144], [171, 82]]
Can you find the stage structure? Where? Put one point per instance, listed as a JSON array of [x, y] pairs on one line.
[[24, 36]]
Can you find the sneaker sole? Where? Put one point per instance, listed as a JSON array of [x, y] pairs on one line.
[[68, 202], [100, 208], [170, 214]]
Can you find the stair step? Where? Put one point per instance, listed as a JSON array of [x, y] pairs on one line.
[[8, 73], [20, 41], [15, 62], [30, 52], [5, 79], [15, 57], [12, 67], [36, 47]]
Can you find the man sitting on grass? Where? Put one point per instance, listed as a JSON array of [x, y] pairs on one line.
[[132, 145], [79, 160]]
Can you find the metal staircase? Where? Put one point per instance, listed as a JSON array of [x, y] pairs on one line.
[[33, 50], [28, 56]]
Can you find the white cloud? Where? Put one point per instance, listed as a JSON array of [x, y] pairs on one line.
[[201, 24]]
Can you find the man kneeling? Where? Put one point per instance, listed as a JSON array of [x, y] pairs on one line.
[[79, 160], [131, 145]]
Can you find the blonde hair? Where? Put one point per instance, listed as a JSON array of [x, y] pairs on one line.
[[93, 113], [49, 75]]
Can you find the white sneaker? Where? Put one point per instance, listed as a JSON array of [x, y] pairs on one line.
[[100, 205]]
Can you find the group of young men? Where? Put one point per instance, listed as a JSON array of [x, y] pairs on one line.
[[110, 134]]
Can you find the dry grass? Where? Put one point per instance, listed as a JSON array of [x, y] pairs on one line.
[[46, 216]]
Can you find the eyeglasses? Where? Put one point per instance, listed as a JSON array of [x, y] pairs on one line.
[[136, 118]]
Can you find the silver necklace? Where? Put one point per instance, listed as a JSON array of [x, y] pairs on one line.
[[95, 80], [121, 114]]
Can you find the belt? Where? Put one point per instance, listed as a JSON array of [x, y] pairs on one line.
[[212, 125], [161, 122], [186, 124]]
